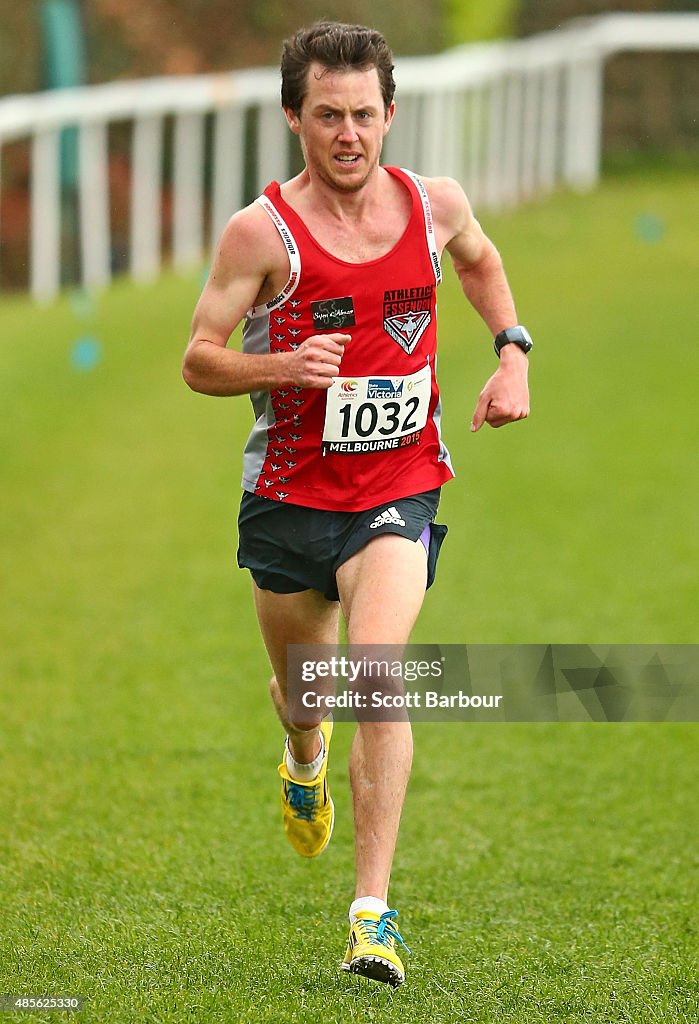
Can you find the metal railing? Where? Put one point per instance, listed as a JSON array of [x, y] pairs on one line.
[[510, 120]]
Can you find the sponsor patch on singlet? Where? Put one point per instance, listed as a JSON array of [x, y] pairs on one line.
[[330, 314], [376, 414]]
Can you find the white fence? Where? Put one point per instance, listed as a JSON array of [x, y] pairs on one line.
[[509, 120]]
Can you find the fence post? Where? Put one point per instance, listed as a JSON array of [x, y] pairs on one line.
[[475, 144], [45, 260], [272, 145], [146, 181], [547, 163], [228, 168], [95, 229], [531, 119], [511, 157], [188, 175], [496, 142], [582, 141]]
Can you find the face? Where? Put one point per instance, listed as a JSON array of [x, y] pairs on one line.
[[342, 126]]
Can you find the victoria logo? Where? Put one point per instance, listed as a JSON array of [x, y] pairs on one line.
[[329, 314], [382, 388]]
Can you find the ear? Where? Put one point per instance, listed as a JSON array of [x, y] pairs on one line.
[[292, 120], [389, 117]]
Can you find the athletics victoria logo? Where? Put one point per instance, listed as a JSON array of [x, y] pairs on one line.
[[407, 315]]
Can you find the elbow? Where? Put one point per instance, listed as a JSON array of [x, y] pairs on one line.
[[191, 368], [206, 370], [189, 375]]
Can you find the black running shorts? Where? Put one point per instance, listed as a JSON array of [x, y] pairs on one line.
[[290, 548]]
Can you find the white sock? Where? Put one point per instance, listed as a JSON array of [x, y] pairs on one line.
[[372, 903], [305, 772]]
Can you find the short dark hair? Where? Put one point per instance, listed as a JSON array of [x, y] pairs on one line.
[[337, 47]]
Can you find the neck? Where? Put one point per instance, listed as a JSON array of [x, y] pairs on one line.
[[339, 203]]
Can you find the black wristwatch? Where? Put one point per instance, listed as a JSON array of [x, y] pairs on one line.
[[513, 336]]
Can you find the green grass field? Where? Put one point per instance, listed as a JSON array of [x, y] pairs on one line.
[[546, 873]]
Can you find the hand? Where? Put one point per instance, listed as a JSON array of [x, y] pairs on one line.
[[505, 397], [316, 361]]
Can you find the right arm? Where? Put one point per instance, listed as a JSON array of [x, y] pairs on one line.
[[248, 262], [505, 397]]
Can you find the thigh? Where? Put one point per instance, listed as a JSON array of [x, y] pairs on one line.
[[302, 618], [290, 549], [382, 588]]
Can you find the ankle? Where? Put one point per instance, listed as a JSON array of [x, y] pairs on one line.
[[374, 904], [305, 771]]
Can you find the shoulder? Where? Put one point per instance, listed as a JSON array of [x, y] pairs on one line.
[[451, 210], [250, 248], [249, 232], [455, 225], [450, 206]]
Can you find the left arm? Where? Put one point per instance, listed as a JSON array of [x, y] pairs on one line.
[[505, 397]]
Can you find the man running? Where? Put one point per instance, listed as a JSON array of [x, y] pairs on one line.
[[335, 275]]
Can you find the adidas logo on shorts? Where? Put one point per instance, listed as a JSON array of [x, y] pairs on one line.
[[389, 515]]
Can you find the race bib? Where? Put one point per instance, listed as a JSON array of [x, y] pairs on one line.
[[376, 414]]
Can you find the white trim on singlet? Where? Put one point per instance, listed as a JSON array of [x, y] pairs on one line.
[[294, 260], [429, 223]]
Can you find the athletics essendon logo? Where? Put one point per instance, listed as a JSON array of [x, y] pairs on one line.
[[407, 313]]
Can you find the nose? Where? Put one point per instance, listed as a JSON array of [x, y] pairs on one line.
[[348, 131]]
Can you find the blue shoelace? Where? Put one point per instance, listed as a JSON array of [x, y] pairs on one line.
[[302, 800], [383, 930]]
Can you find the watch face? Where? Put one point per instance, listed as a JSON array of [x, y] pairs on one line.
[[514, 336]]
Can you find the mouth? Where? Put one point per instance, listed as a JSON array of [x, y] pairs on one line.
[[347, 159]]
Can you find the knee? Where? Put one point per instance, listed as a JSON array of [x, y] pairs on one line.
[[397, 731]]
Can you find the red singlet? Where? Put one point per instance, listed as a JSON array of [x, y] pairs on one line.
[[374, 435]]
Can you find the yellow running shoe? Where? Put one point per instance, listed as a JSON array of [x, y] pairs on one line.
[[371, 949], [308, 812]]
